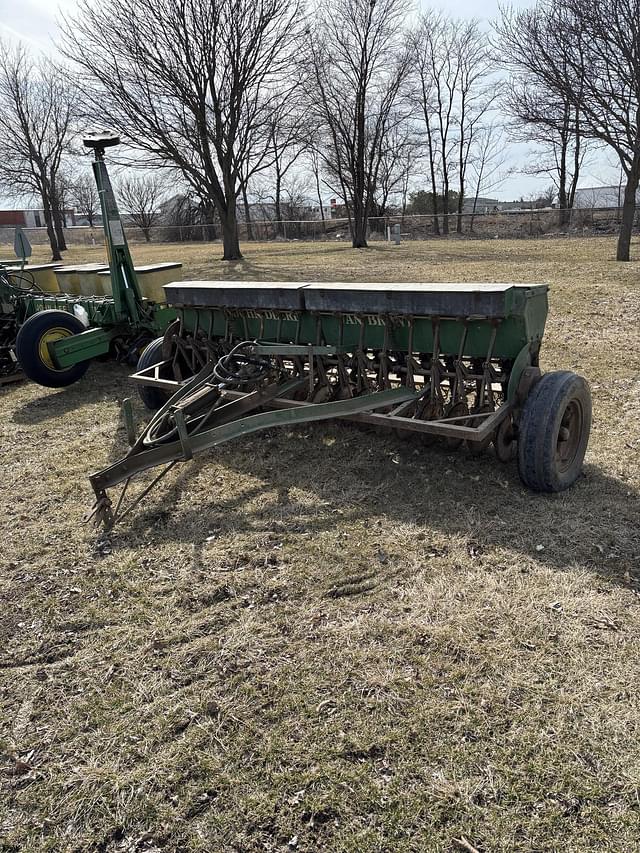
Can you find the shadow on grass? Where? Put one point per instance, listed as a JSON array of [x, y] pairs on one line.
[[251, 269], [109, 379], [51, 404], [267, 265], [363, 476]]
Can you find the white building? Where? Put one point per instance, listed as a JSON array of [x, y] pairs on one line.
[[595, 197]]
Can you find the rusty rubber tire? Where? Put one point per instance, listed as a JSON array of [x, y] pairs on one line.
[[553, 432], [153, 398], [31, 348]]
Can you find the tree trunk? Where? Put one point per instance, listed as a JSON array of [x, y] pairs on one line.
[[230, 241], [247, 213], [347, 205], [628, 212], [436, 221], [475, 201], [209, 212], [278, 205], [461, 196], [317, 177], [405, 195], [445, 203], [434, 192], [432, 171], [359, 236], [57, 212], [562, 183], [577, 163], [51, 232], [460, 206], [58, 222]]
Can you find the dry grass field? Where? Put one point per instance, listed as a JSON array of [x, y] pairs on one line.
[[325, 639]]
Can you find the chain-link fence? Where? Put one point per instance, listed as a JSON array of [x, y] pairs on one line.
[[512, 224]]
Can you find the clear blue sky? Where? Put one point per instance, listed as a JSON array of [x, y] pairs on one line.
[[34, 22]]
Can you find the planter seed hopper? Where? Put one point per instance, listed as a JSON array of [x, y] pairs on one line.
[[455, 362], [52, 336]]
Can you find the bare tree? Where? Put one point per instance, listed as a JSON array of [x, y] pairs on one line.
[[83, 195], [436, 85], [560, 156], [59, 200], [422, 93], [140, 197], [316, 168], [261, 154], [544, 116], [36, 115], [288, 141], [586, 53], [295, 197], [396, 165], [541, 200], [358, 62], [411, 158], [477, 92], [189, 218], [190, 84], [244, 189], [452, 89], [487, 164]]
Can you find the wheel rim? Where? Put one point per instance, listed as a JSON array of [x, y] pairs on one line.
[[569, 435], [50, 337]]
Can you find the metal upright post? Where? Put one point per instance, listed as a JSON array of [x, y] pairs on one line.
[[124, 283]]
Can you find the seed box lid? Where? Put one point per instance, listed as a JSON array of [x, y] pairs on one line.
[[261, 295], [464, 299]]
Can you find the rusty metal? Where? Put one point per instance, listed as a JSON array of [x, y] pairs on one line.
[[448, 362]]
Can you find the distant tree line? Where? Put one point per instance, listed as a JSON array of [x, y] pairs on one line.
[[229, 103]]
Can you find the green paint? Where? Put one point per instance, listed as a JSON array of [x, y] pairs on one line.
[[520, 329], [124, 314], [69, 351], [124, 283]]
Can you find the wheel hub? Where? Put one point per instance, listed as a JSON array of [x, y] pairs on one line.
[[569, 435], [50, 337]]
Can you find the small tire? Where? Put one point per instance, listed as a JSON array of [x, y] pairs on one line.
[[153, 398], [32, 352], [553, 432]]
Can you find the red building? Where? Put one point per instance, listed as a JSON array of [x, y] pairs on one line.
[[31, 218], [12, 217]]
